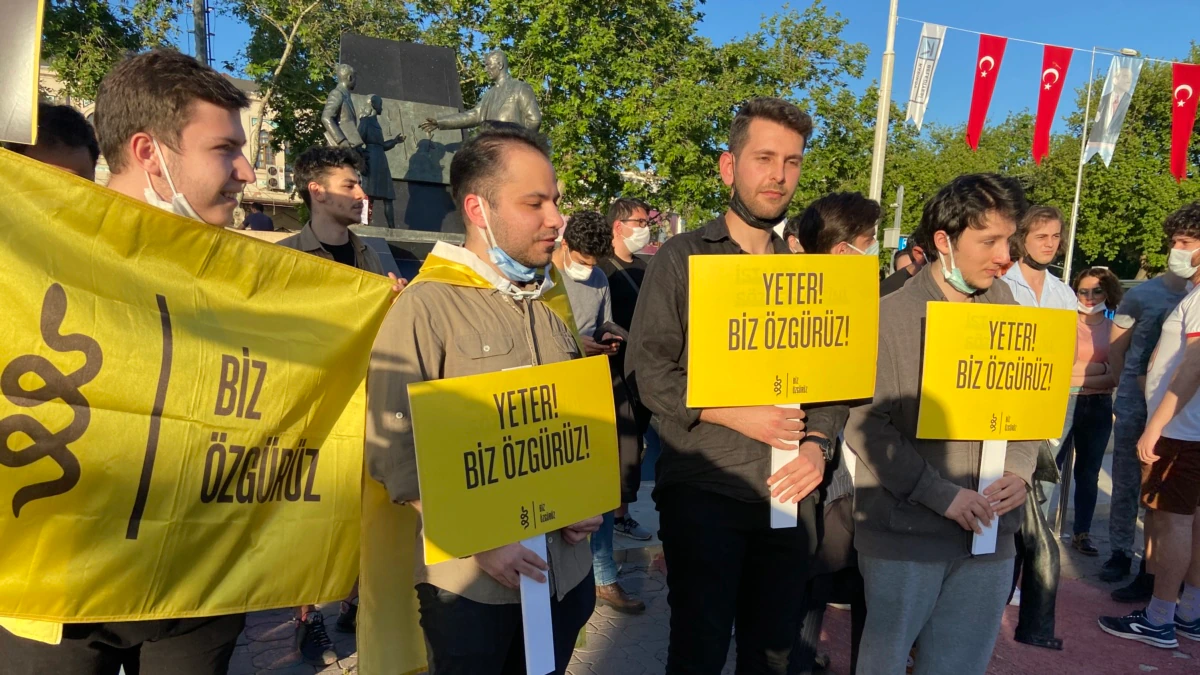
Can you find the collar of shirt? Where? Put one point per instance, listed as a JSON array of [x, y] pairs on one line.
[[463, 256], [717, 230], [309, 242], [1055, 293]]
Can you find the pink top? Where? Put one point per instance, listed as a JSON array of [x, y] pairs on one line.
[[1091, 346]]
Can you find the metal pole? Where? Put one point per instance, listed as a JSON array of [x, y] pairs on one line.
[[1064, 494], [879, 152], [200, 18], [1087, 119]]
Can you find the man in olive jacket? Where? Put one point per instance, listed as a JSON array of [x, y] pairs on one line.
[[916, 501]]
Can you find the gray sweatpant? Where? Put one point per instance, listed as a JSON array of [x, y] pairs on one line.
[[951, 610], [1126, 473]]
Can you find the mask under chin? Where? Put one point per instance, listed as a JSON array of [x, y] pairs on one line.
[[742, 211]]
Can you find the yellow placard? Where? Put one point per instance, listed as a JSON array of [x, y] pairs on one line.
[[504, 456], [995, 372], [765, 329], [181, 426]]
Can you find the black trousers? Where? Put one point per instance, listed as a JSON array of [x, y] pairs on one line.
[[164, 647], [465, 637], [835, 579], [725, 565]]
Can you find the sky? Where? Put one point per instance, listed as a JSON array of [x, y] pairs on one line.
[[1156, 28]]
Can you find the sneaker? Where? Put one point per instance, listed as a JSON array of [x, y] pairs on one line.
[[1136, 627], [1187, 629], [1117, 567], [313, 642], [626, 526], [347, 621], [1082, 542], [1140, 590]]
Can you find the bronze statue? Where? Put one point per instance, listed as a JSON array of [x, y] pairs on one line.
[[338, 117], [377, 176], [509, 100]]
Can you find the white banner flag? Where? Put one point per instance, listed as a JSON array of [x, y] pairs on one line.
[[1114, 103], [929, 50]]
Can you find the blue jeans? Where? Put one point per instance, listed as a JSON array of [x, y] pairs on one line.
[[603, 565], [1068, 424], [1089, 435]]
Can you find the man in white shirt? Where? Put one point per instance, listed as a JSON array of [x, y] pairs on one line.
[[1037, 242], [1170, 453]]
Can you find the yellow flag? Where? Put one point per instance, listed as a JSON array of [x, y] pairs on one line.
[[995, 372], [182, 410]]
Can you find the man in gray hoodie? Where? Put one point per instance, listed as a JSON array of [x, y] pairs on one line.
[[916, 500]]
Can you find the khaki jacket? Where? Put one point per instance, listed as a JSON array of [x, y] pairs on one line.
[[306, 240], [437, 331]]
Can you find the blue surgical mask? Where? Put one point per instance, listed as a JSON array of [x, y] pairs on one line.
[[872, 250], [508, 266], [954, 277]]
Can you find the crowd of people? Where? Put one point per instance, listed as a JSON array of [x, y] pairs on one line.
[[885, 519]]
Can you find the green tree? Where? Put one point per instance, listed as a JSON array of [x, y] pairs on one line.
[[82, 39]]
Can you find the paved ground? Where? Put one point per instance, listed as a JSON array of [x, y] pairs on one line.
[[622, 645]]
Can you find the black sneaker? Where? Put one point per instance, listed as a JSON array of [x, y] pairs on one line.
[[313, 642], [1116, 568], [347, 621], [1187, 629], [1140, 590], [1136, 627]]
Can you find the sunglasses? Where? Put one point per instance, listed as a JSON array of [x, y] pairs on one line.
[[1090, 292]]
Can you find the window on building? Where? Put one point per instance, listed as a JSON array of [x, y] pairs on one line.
[[266, 155]]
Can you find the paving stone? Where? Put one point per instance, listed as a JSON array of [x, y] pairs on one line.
[[257, 648], [268, 632], [279, 658], [272, 616], [242, 663]]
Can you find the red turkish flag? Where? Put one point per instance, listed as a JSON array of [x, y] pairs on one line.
[[1186, 80], [1055, 61], [987, 69]]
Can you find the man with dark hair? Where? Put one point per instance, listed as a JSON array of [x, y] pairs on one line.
[[1169, 449], [493, 304], [65, 139], [840, 223], [917, 259], [329, 182], [171, 131], [714, 487], [916, 505], [256, 220], [586, 240], [1136, 329]]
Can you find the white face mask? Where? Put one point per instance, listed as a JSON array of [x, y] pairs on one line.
[[179, 204], [575, 270], [638, 240], [1179, 261], [1094, 309]]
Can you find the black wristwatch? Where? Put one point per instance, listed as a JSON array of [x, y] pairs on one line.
[[823, 443]]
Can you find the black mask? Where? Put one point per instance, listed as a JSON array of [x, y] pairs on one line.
[[1033, 264], [739, 207]]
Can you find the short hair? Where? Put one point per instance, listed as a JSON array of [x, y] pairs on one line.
[[153, 93], [316, 162], [965, 203], [61, 126], [255, 206], [1185, 221], [499, 55], [1035, 216], [907, 250], [1108, 283], [478, 165], [832, 219], [624, 207], [767, 108], [587, 233]]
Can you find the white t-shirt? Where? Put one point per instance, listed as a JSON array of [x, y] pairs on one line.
[[1182, 323]]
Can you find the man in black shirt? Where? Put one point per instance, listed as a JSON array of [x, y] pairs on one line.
[[897, 279], [714, 485], [257, 220], [329, 182]]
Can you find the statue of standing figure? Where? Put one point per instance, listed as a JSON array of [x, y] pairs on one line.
[[338, 116], [377, 176], [509, 100]]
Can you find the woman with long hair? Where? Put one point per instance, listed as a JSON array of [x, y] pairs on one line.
[[1092, 384]]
